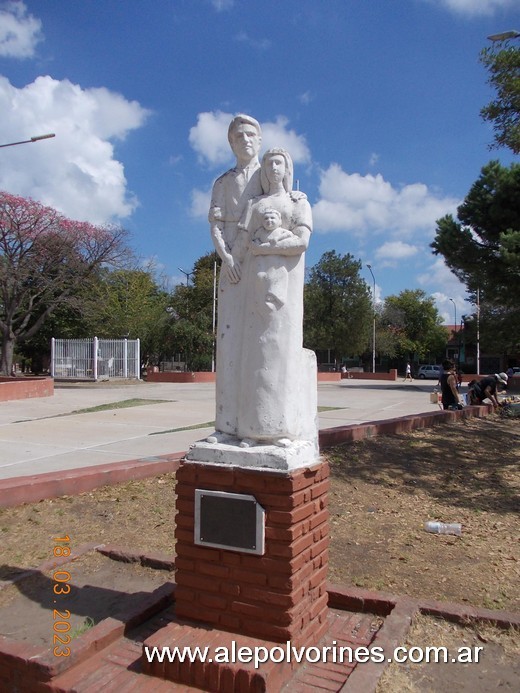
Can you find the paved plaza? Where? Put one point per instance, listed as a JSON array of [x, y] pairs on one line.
[[45, 435]]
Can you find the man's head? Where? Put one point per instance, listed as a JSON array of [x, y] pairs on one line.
[[501, 378], [245, 138], [448, 365]]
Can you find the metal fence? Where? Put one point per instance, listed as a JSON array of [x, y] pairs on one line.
[[95, 359]]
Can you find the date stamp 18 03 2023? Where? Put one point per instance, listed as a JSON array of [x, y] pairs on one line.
[[61, 588]]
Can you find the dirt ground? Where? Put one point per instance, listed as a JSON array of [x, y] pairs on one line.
[[383, 490]]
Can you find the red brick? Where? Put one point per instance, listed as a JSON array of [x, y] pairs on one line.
[[283, 533], [320, 489], [290, 581], [196, 582], [287, 518], [250, 576], [287, 599], [318, 577], [184, 506], [183, 535], [319, 518], [215, 569], [320, 546], [230, 588], [184, 564], [214, 601], [289, 550], [198, 552]]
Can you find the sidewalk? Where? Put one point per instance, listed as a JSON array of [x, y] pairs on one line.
[[45, 435]]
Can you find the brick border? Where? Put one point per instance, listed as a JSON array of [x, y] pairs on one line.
[[29, 665], [12, 388], [402, 424], [70, 482]]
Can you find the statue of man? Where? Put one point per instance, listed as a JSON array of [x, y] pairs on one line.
[[231, 193]]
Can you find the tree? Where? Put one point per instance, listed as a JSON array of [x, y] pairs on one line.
[[502, 61], [44, 259], [338, 306], [412, 325], [191, 308], [482, 248], [128, 303]]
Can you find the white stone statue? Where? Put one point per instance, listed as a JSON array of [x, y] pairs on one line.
[[231, 193], [274, 379], [266, 390]]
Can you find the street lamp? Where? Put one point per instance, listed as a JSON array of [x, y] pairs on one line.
[[374, 322], [37, 138], [504, 36], [188, 275]]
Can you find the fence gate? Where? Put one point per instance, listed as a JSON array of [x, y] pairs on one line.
[[95, 359]]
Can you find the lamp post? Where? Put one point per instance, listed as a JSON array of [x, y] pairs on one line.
[[374, 321], [504, 35], [188, 275], [455, 327], [37, 138], [478, 331]]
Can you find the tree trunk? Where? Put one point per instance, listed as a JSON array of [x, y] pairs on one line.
[[6, 362]]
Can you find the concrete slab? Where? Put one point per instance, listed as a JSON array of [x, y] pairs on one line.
[[35, 437]]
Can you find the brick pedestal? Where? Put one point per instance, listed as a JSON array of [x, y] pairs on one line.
[[279, 596]]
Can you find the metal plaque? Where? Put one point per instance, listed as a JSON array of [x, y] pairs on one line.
[[233, 521]]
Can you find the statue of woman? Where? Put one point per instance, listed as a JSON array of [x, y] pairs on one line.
[[277, 377]]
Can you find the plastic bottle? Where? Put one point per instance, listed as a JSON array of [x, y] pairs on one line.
[[443, 528]]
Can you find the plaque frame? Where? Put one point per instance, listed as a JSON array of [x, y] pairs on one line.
[[220, 515]]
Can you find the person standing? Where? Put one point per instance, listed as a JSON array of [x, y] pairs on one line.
[[408, 375], [448, 381]]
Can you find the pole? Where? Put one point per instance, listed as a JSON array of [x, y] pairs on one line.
[[374, 322], [33, 139], [455, 329], [214, 314], [478, 331]]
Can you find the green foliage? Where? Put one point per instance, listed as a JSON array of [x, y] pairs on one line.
[[503, 64], [338, 307], [482, 249], [191, 316], [410, 326]]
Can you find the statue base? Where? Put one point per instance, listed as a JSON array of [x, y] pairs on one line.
[[278, 596], [229, 452]]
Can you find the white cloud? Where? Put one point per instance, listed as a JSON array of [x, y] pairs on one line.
[[476, 8], [306, 98], [200, 202], [209, 138], [76, 172], [438, 274], [354, 203], [222, 5], [395, 250], [278, 134], [19, 32], [374, 158], [255, 43]]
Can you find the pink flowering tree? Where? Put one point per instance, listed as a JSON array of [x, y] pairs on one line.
[[44, 259]]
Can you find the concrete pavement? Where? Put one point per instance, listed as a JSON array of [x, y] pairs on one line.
[[45, 435]]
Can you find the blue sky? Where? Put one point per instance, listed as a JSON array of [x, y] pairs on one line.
[[377, 100]]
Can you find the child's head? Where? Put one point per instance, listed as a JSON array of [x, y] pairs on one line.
[[272, 219]]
